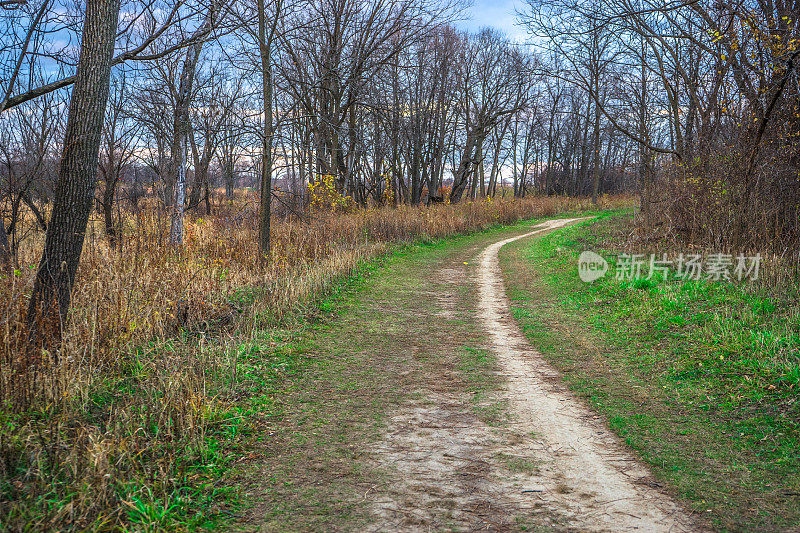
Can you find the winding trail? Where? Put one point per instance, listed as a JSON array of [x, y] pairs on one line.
[[601, 485], [454, 470], [427, 410]]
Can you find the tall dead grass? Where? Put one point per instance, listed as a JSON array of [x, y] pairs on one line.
[[114, 432]]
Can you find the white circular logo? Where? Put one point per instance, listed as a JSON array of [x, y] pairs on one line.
[[591, 266]]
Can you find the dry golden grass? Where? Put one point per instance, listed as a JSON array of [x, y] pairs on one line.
[[115, 430]]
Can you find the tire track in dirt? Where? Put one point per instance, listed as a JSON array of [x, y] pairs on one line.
[[586, 475]]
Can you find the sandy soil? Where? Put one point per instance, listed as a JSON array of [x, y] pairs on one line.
[[590, 477], [453, 468]]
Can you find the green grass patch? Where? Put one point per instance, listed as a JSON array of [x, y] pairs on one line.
[[700, 377]]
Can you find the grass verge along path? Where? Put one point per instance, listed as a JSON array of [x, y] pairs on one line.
[[700, 378]]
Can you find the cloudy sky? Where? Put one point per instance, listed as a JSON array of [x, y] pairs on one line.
[[500, 14]]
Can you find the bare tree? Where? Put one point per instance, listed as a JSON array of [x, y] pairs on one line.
[[119, 135], [181, 125], [493, 78], [49, 303], [266, 36]]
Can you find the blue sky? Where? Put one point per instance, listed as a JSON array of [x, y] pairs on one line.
[[500, 14]]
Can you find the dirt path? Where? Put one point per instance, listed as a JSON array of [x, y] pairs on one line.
[[598, 484], [421, 407], [552, 465]]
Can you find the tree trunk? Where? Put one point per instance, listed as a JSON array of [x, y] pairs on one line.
[[494, 174], [229, 177], [395, 135], [5, 249], [200, 183], [176, 231], [207, 195], [182, 128], [548, 174], [108, 208], [197, 182], [266, 138], [644, 163], [514, 170], [465, 170], [482, 172], [596, 179], [202, 162], [584, 171], [74, 195]]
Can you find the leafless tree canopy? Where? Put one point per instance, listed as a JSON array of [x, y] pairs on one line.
[[692, 104]]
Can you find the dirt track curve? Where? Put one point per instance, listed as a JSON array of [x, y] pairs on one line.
[[452, 466], [602, 486]]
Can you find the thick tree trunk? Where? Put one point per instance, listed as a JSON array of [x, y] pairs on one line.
[[49, 303], [195, 193], [465, 167], [229, 176], [200, 184]]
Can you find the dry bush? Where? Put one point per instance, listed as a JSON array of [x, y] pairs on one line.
[[739, 192], [118, 425], [708, 205]]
